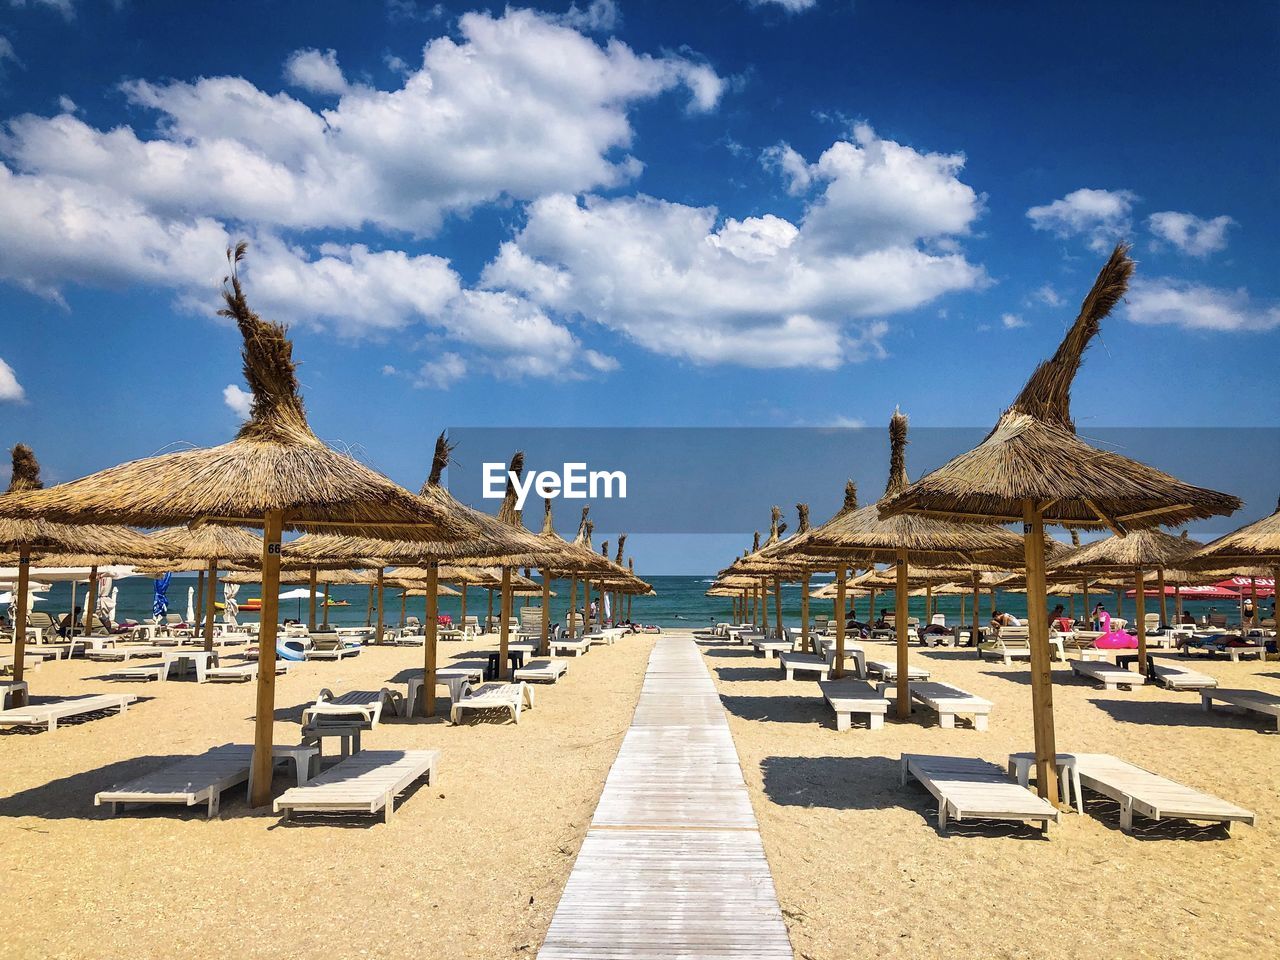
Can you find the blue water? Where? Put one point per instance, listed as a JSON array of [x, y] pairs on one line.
[[680, 602]]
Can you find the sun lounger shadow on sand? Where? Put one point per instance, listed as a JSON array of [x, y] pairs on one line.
[[71, 797], [738, 674], [1181, 713], [807, 710], [836, 783]]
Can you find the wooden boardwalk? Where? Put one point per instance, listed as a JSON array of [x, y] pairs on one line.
[[672, 865]]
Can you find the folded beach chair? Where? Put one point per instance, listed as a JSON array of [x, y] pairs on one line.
[[1248, 701], [971, 789], [48, 714], [545, 671], [512, 697], [1150, 795], [189, 781], [848, 696], [367, 782]]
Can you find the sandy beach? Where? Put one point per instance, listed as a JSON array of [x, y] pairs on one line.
[[470, 867], [861, 869]]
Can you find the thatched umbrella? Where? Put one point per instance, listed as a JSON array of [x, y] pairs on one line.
[[863, 535], [571, 559], [1033, 468], [1255, 544], [767, 565], [276, 474], [1135, 554], [35, 538]]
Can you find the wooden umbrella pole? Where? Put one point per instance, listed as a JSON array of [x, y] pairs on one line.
[[488, 622], [1038, 632], [311, 600], [871, 606], [19, 697], [838, 666], [777, 606], [804, 610], [1088, 619], [91, 600], [1177, 601], [764, 605], [368, 610], [928, 602], [1255, 619], [1164, 606], [1140, 614], [404, 606], [210, 604], [544, 646], [327, 588], [1120, 601], [1275, 611], [504, 628], [432, 630], [573, 606], [462, 621], [900, 628], [381, 590], [264, 720]]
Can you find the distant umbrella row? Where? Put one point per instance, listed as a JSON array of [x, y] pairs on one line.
[[277, 476], [1031, 469]]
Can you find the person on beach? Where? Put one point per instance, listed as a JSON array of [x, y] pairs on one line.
[[1003, 619], [68, 623]]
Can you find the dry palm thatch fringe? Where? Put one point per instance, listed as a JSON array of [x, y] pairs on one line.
[[440, 459], [1257, 542], [26, 470], [802, 512], [622, 541], [1033, 454]]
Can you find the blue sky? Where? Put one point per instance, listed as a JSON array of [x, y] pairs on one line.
[[726, 213]]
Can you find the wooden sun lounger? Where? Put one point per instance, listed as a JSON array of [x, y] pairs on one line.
[[1108, 674], [793, 663], [1250, 701], [512, 697], [1180, 678], [543, 670], [947, 702], [848, 696], [189, 781], [1151, 795], [969, 788], [365, 706], [366, 782], [887, 670], [48, 714]]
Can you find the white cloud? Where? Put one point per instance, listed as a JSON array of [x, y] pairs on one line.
[[315, 71], [758, 292], [880, 193], [847, 422], [1189, 233], [441, 371], [1047, 295], [519, 106], [1012, 321], [1101, 217], [597, 16], [238, 400], [791, 6], [10, 388], [65, 7], [1193, 306]]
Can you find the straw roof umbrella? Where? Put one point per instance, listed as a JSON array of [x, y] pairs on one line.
[[276, 474], [865, 535], [565, 558], [1033, 468], [35, 538], [208, 544], [1135, 553]]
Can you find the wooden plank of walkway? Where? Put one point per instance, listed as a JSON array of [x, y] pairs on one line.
[[672, 865]]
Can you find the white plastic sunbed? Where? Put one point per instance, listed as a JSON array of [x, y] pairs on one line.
[[1250, 701], [122, 653], [361, 705], [512, 697], [48, 714], [969, 788], [1108, 674], [848, 696], [771, 647], [189, 781], [887, 670], [366, 782], [547, 671], [947, 702], [793, 663], [576, 645], [1151, 795]]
